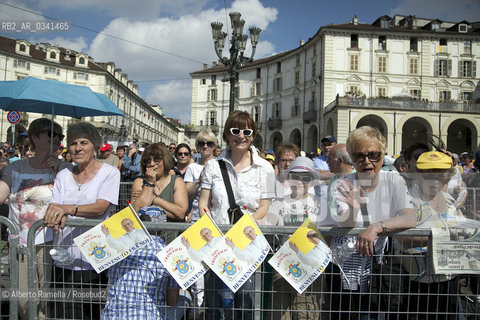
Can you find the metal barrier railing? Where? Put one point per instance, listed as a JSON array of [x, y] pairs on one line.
[[275, 299], [12, 267]]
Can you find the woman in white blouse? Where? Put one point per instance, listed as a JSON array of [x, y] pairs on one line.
[[252, 179]]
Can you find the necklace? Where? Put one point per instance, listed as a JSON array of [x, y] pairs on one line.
[[79, 185]]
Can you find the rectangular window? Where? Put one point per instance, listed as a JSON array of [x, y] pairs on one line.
[[297, 77], [382, 43], [467, 47], [21, 64], [276, 111], [353, 90], [211, 118], [443, 67], [214, 80], [382, 64], [354, 62], [382, 92], [256, 89], [295, 108], [444, 96], [279, 67], [203, 81], [212, 95], [443, 46], [311, 104], [256, 114], [354, 41], [51, 70], [466, 96], [259, 73], [413, 66], [414, 44], [277, 84], [416, 93], [297, 60], [80, 76], [314, 69]]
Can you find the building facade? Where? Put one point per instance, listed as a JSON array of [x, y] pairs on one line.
[[415, 79], [143, 123]]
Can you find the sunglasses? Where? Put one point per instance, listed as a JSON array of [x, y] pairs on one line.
[[298, 177], [155, 160], [209, 144], [57, 135], [373, 156], [236, 132], [184, 154]]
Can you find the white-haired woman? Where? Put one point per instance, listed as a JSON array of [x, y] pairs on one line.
[[205, 143], [371, 198]]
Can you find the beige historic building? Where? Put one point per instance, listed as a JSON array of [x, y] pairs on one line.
[[411, 77], [143, 123]]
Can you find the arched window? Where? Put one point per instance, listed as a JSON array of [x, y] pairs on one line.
[[53, 55], [81, 60], [23, 48]]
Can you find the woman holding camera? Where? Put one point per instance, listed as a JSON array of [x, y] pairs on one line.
[[252, 182]]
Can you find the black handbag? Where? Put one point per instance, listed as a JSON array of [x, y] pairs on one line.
[[234, 212]]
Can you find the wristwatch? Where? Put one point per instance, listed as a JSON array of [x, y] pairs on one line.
[[148, 184], [384, 227]]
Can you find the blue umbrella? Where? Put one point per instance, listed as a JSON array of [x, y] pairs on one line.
[[54, 97]]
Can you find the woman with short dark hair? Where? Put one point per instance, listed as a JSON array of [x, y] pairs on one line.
[[159, 194]]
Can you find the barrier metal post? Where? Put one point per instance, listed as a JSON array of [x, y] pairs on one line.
[[13, 265]]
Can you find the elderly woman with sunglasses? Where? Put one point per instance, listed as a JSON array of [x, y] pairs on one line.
[[159, 194], [183, 154], [252, 181], [205, 143], [371, 198]]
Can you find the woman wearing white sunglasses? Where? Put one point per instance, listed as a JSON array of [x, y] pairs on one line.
[[252, 179]]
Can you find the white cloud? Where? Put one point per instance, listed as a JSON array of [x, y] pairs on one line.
[[448, 10], [188, 36], [78, 44], [174, 98]]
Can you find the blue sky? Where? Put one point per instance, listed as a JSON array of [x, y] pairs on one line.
[[159, 42]]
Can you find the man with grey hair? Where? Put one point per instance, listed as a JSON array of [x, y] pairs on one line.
[[131, 163]]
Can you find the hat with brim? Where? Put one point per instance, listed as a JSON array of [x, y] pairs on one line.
[[434, 160], [301, 164], [269, 157]]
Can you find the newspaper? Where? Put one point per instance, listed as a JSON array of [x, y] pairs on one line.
[[456, 250]]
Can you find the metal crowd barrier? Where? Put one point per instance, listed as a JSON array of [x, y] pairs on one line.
[[275, 299], [9, 270]]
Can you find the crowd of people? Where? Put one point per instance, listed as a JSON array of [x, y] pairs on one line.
[[354, 184]]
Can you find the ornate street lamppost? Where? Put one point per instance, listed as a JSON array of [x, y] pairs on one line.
[[237, 48]]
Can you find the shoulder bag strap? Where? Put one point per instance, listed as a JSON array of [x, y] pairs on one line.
[[228, 186]]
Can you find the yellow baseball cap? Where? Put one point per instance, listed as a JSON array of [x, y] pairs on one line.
[[434, 160], [269, 157]]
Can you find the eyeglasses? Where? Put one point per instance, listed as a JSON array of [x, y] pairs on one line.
[[57, 135], [312, 235], [184, 154], [171, 148], [209, 144], [286, 160], [303, 178], [236, 132], [373, 156]]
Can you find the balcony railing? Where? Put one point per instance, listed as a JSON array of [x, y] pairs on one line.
[[402, 104], [310, 116], [274, 124]]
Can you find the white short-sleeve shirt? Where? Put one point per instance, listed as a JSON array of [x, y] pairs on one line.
[[249, 185]]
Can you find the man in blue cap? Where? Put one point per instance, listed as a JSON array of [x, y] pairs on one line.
[[320, 162]]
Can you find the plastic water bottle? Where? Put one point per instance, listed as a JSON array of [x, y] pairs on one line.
[[61, 255], [227, 298]]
